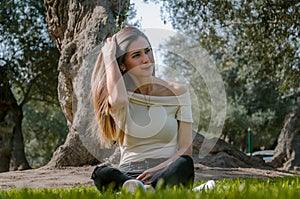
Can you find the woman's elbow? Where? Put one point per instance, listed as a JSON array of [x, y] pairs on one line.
[[118, 103], [189, 151]]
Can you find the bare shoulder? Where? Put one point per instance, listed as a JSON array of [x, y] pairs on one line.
[[172, 88], [177, 88]]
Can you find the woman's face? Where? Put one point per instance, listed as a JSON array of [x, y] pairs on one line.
[[139, 59]]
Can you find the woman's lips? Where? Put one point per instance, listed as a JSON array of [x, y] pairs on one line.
[[147, 67]]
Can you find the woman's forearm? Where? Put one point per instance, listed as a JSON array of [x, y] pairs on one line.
[[117, 94], [149, 173], [183, 151]]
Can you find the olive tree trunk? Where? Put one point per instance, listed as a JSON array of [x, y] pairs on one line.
[[12, 155], [287, 151], [78, 29]]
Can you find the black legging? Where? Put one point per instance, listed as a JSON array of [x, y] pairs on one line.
[[179, 172]]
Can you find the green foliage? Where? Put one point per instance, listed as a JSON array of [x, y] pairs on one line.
[[255, 45], [28, 62], [175, 57], [280, 188], [27, 55], [44, 129], [124, 14], [260, 37]]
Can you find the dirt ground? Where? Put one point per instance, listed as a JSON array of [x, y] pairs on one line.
[[80, 176]]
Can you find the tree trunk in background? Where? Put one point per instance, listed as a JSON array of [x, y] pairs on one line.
[[18, 159], [78, 28], [287, 152], [12, 156]]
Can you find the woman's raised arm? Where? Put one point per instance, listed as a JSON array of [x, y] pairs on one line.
[[117, 94]]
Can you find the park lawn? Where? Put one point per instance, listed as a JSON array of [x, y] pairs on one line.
[[282, 188]]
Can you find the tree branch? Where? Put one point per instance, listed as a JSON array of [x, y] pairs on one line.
[[275, 21]]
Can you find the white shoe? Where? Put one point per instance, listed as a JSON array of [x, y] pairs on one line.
[[209, 185], [133, 185]]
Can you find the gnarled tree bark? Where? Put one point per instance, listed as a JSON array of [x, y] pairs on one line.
[[78, 28], [287, 151]]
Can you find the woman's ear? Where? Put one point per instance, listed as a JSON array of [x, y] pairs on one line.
[[123, 68]]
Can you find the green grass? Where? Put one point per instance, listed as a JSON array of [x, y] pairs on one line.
[[282, 188]]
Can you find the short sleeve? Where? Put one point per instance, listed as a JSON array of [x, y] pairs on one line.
[[184, 112]]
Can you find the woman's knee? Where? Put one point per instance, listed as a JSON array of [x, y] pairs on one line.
[[187, 161], [108, 177], [100, 175]]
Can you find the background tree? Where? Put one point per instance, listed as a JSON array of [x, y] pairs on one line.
[[44, 128], [78, 28], [28, 74], [255, 44]]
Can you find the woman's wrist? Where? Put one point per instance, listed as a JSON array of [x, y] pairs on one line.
[[110, 61]]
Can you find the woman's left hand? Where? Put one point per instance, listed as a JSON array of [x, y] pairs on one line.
[[148, 174]]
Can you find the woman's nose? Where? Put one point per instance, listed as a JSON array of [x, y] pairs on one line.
[[146, 58]]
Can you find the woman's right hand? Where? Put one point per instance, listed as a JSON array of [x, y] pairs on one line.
[[109, 50]]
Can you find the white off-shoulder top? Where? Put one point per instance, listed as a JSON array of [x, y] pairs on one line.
[[151, 126]]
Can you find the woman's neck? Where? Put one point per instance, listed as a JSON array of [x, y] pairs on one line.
[[143, 84]]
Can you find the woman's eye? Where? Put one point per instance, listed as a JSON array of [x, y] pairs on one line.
[[135, 55], [147, 50]]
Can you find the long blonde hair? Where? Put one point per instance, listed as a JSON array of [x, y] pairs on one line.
[[108, 130]]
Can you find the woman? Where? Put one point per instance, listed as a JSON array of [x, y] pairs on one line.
[[148, 117]]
